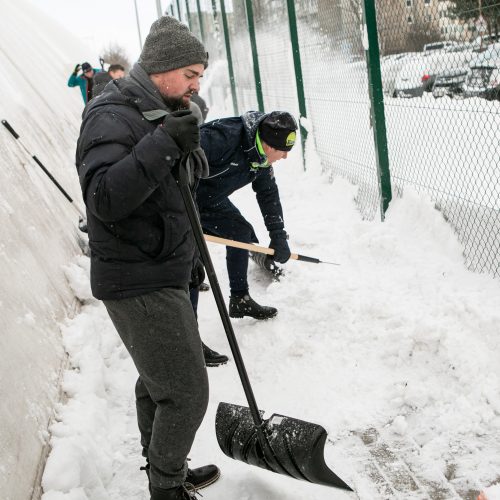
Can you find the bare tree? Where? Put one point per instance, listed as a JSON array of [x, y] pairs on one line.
[[114, 54], [421, 32]]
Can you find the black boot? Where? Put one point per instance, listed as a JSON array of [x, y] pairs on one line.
[[246, 306], [201, 477], [178, 493], [213, 358]]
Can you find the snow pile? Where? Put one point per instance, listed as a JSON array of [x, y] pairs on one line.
[[38, 232]]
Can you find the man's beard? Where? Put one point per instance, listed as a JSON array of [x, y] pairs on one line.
[[174, 103]]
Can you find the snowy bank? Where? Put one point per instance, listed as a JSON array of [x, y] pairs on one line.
[[39, 235]]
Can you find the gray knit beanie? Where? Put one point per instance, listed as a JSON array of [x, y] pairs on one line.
[[170, 45]]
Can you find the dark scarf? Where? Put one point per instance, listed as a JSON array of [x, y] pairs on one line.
[[90, 86]]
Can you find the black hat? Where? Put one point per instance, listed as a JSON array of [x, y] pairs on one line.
[[170, 45], [86, 66], [277, 130]]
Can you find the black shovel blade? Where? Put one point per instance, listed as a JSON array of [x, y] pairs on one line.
[[294, 447]]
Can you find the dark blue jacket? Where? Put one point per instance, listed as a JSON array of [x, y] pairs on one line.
[[229, 144], [139, 233]]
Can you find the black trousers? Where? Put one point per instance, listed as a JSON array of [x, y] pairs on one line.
[[160, 332], [226, 221]]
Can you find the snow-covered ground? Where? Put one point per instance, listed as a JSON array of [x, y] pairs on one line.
[[399, 341]]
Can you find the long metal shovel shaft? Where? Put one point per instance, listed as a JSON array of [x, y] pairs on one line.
[[265, 250], [219, 299], [8, 126]]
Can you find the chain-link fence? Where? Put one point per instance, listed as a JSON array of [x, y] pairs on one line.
[[441, 76], [437, 66]]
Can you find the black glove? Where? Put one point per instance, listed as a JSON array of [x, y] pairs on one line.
[[197, 274], [77, 69], [183, 127], [279, 245], [197, 167]]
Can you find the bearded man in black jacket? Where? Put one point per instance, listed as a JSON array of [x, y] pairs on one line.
[[143, 254]]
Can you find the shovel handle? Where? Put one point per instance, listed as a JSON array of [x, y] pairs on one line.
[[256, 248], [239, 244], [8, 126], [183, 183]]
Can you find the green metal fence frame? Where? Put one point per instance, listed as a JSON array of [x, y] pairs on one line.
[[200, 20], [255, 55], [179, 17], [188, 15], [377, 104], [299, 81], [227, 42]]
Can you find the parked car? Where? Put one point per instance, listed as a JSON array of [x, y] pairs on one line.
[[449, 83], [484, 41], [483, 76], [390, 67], [419, 73], [444, 44]]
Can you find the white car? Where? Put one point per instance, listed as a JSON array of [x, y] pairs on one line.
[[390, 66], [419, 73], [484, 41], [483, 76], [438, 45]]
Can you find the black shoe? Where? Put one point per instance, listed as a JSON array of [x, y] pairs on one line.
[[246, 306], [213, 358], [201, 477], [204, 287], [198, 478], [184, 492]]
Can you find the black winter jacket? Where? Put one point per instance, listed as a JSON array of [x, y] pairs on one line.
[[229, 144], [139, 232], [101, 79]]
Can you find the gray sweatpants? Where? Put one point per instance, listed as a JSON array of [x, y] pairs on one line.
[[160, 332]]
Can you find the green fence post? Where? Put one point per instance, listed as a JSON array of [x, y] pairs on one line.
[[179, 12], [255, 56], [377, 104], [188, 14], [200, 20], [229, 57], [292, 21]]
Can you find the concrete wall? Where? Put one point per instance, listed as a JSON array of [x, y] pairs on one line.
[[38, 234]]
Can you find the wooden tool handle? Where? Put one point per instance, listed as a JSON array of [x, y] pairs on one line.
[[244, 246]]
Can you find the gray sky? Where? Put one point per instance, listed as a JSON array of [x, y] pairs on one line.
[[97, 23]]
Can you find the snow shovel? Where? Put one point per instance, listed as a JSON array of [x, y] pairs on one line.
[[279, 444], [16, 136]]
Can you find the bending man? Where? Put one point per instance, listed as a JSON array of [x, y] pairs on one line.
[[241, 151]]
